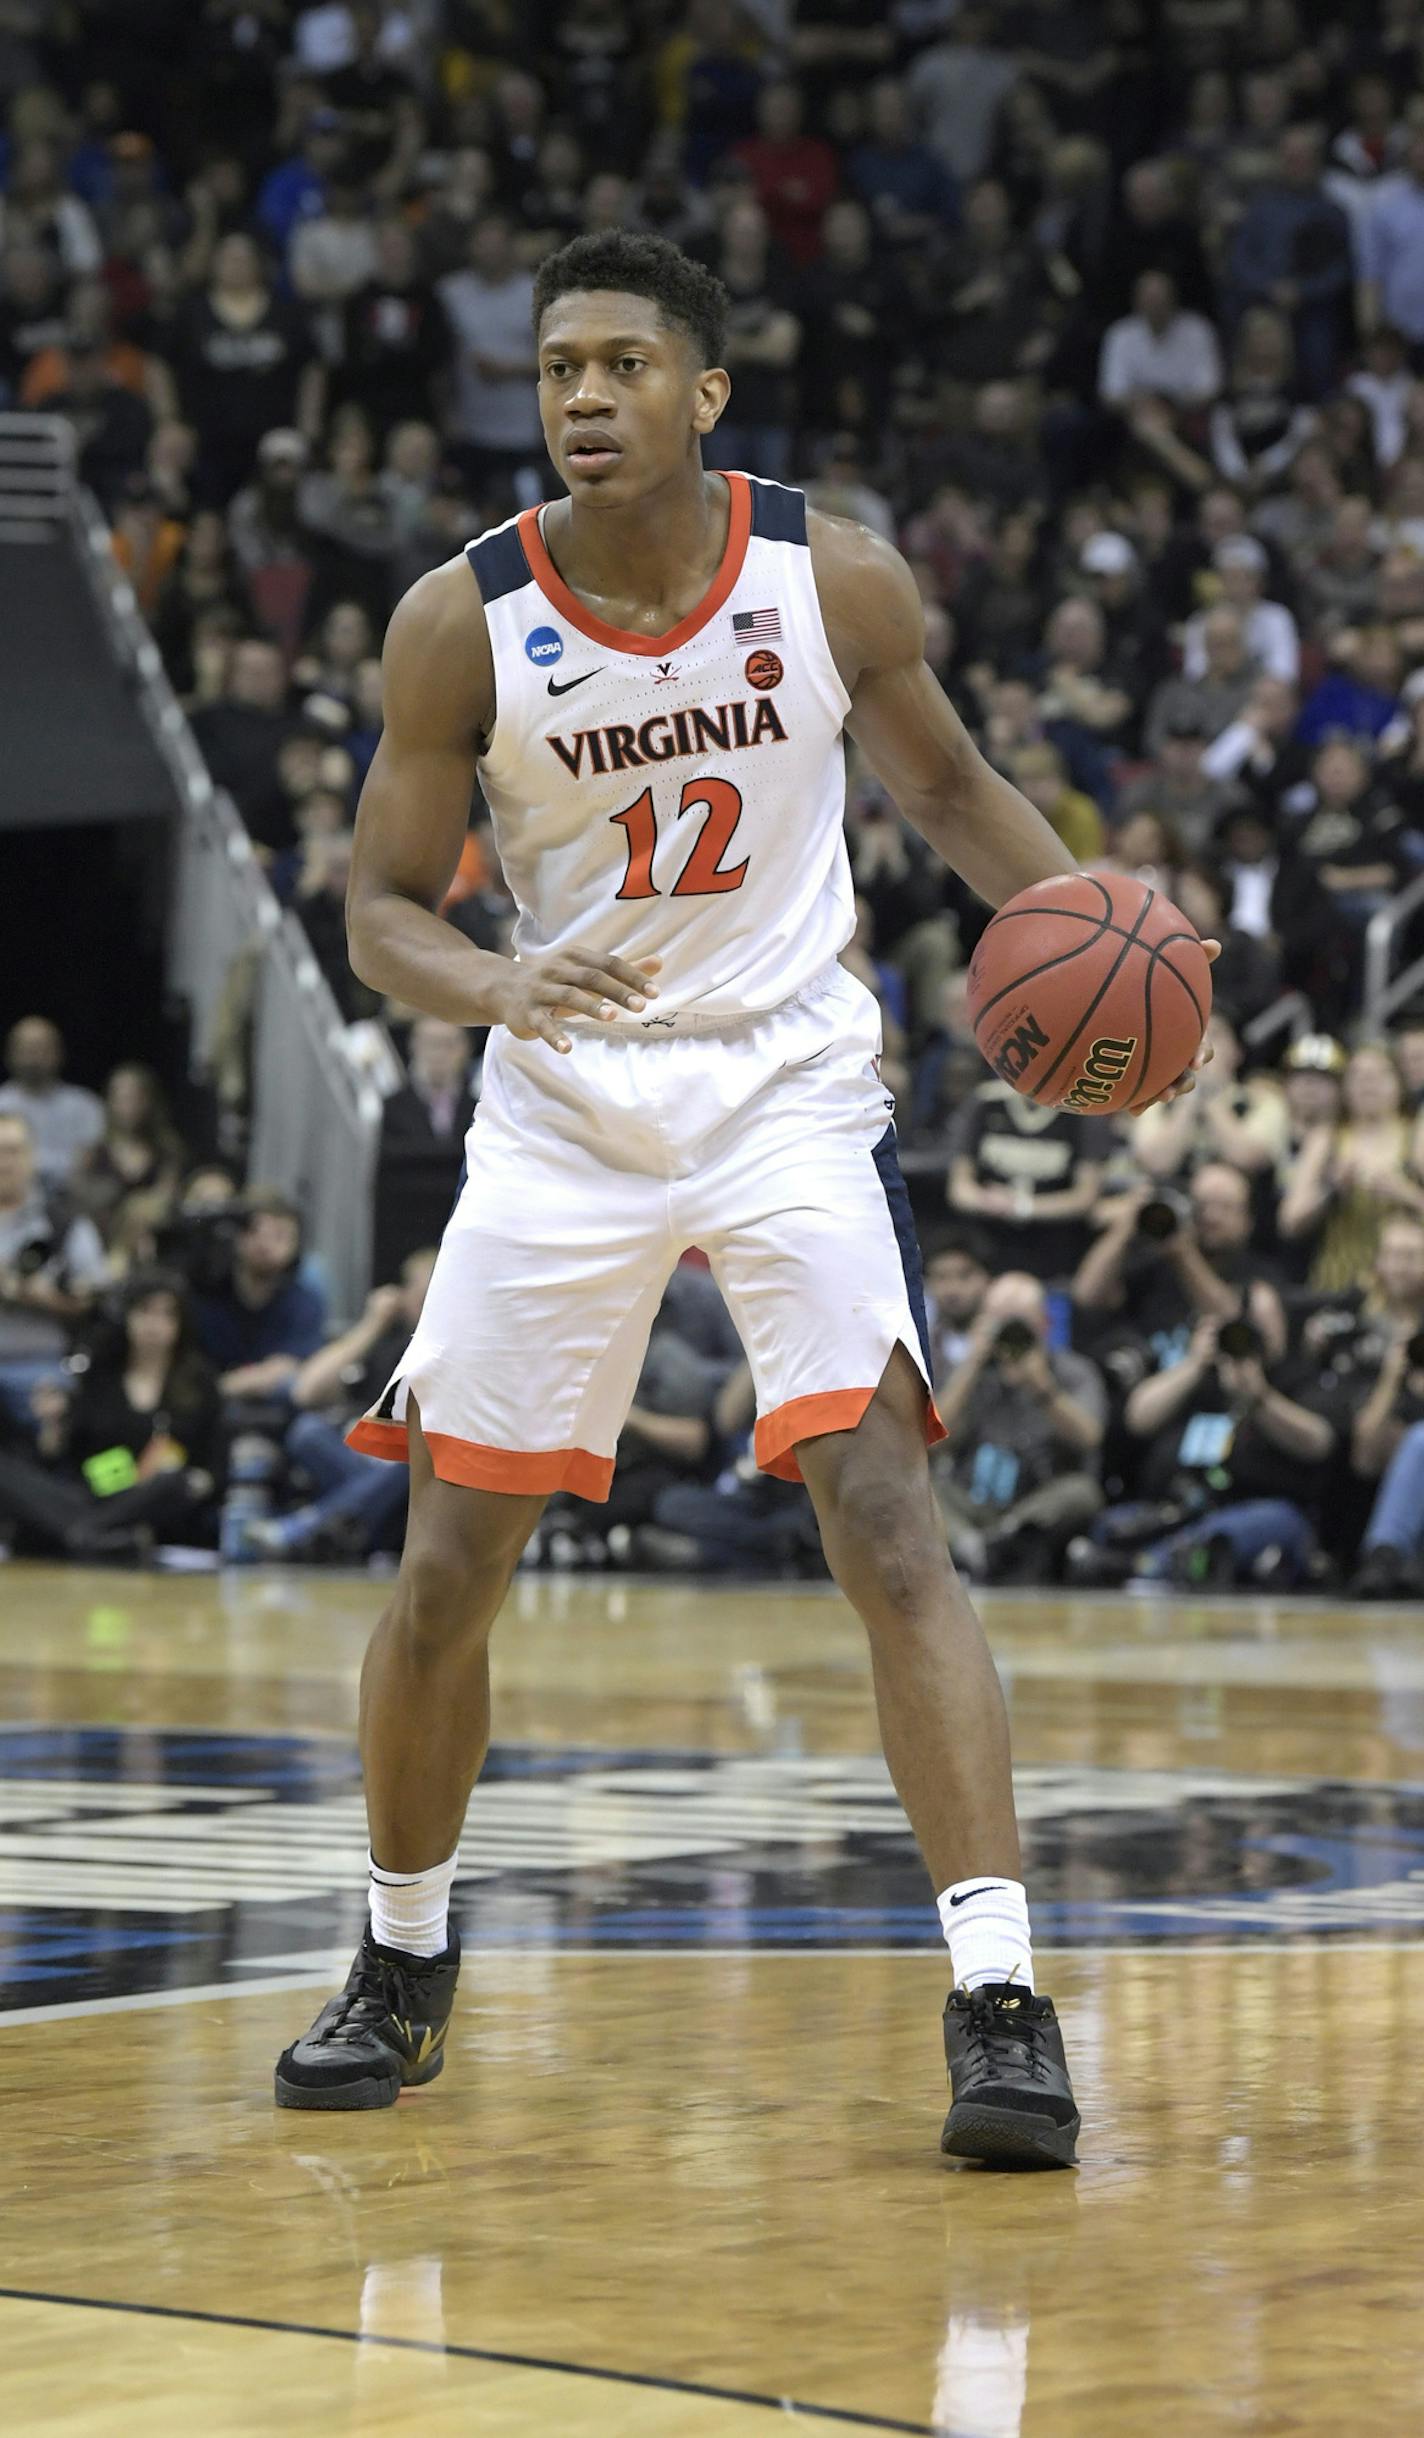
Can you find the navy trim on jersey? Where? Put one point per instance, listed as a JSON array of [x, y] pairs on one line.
[[499, 564], [778, 513], [897, 1195]]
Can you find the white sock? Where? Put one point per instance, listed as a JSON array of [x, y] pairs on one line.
[[411, 1909], [985, 1923]]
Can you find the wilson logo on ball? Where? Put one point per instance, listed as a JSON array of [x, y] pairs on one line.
[[1018, 1053], [1105, 1066]]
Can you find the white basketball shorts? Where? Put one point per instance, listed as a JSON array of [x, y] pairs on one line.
[[768, 1143]]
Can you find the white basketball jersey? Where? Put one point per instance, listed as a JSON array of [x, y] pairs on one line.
[[680, 796]]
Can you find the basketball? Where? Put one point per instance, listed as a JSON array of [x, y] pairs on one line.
[[1089, 992]]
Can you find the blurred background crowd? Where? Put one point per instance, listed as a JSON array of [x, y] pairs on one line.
[[1111, 312]]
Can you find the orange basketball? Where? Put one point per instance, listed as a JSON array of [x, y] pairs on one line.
[[1089, 992]]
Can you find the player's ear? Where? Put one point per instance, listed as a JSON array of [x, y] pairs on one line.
[[709, 399]]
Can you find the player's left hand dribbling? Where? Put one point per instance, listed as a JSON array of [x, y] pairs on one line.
[[1187, 1081]]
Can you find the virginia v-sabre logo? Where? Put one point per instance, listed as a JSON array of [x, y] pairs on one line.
[[1018, 1053], [1105, 1065]]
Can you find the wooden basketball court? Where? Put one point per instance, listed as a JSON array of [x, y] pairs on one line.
[[682, 2175]]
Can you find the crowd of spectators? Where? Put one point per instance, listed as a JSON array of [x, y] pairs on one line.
[[1112, 314]]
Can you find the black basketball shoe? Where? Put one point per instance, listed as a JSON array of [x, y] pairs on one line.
[[383, 2035], [1013, 2104]]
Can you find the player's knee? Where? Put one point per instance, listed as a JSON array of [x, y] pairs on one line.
[[888, 1542], [450, 1593]]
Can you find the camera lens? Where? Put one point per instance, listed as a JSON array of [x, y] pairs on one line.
[[1157, 1219]]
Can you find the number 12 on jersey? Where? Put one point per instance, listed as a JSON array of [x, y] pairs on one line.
[[703, 874]]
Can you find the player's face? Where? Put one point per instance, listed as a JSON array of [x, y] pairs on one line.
[[621, 394]]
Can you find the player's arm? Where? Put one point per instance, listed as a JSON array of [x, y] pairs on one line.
[[914, 739], [910, 732], [439, 701]]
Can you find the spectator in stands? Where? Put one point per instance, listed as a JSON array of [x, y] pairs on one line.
[[296, 189], [1392, 250], [139, 1154], [1160, 351], [1268, 629], [51, 1267], [495, 421], [423, 1130], [1035, 1173], [1237, 1119], [909, 193], [1247, 975], [112, 427], [1177, 786], [1220, 692], [1291, 249], [37, 209], [1352, 1175], [795, 175], [957, 1275], [1351, 835], [1018, 1473], [1162, 1262], [1407, 1043], [1387, 1438], [763, 343], [32, 313], [1038, 772], [132, 1450], [344, 504], [359, 1500], [321, 815], [245, 365], [260, 1322], [396, 338], [1256, 428], [956, 89], [1358, 697], [1235, 1466], [64, 1120], [242, 738]]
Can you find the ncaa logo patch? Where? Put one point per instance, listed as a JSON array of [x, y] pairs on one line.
[[544, 645]]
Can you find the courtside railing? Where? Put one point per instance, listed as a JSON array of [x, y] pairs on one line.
[[315, 1108]]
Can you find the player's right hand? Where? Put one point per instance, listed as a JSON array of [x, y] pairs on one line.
[[539, 996]]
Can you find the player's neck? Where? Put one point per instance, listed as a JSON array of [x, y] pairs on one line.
[[650, 555]]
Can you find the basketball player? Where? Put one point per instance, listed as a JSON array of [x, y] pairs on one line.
[[651, 678]]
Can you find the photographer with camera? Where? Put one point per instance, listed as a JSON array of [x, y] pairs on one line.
[[52, 1265], [1387, 1440], [1017, 1473], [1233, 1471], [260, 1322], [1164, 1262]]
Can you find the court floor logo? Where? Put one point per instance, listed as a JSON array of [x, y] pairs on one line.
[[137, 1861]]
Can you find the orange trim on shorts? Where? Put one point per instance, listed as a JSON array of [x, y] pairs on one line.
[[835, 1409], [522, 1473], [620, 639]]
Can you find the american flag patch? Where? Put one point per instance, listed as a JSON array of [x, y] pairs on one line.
[[757, 626]]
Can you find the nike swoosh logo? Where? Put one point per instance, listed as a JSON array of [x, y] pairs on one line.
[[992, 1888], [556, 688]]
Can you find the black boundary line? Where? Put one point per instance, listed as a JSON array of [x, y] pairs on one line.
[[480, 2353]]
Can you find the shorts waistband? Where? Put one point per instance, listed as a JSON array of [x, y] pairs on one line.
[[697, 1020]]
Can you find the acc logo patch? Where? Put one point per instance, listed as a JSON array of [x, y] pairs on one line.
[[544, 645], [763, 671]]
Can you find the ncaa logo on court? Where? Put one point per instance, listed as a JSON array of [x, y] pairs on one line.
[[544, 645]]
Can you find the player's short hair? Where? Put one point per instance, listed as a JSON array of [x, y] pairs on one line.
[[688, 296]]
